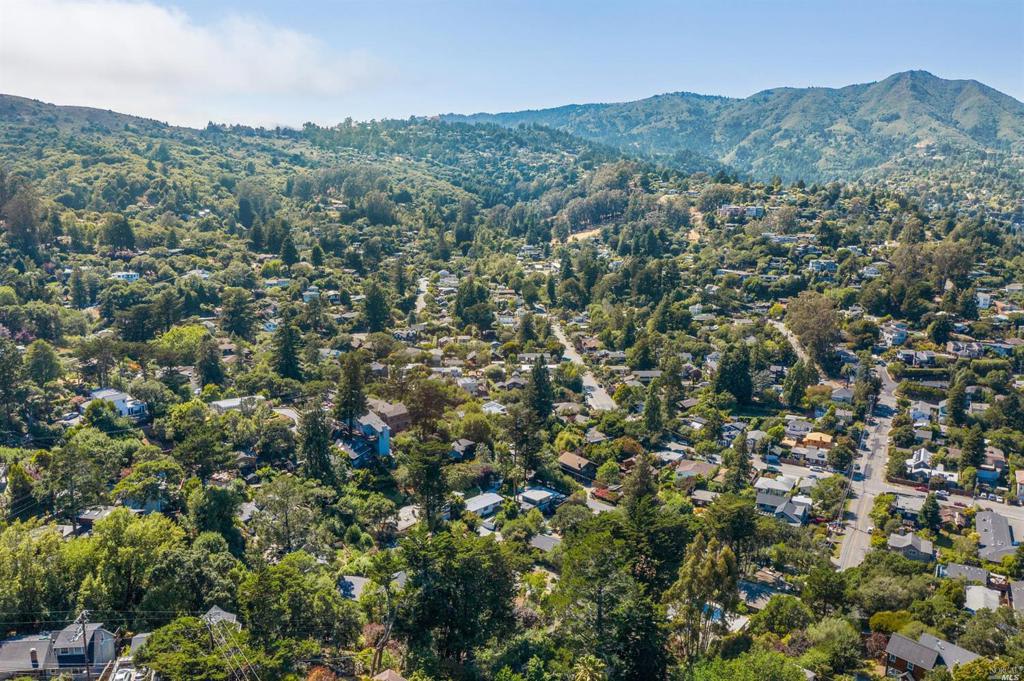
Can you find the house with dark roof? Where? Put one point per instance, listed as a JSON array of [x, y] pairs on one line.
[[908, 659], [968, 573], [995, 540], [27, 656], [911, 546], [579, 467], [77, 644]]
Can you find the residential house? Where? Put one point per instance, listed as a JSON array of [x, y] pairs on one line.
[[911, 546], [394, 414], [581, 468], [244, 404], [969, 349], [993, 466], [84, 644], [541, 498], [493, 408], [969, 573], [27, 656], [773, 492], [126, 405], [797, 428], [484, 505], [919, 466], [894, 334], [688, 468], [978, 597], [462, 449], [909, 659], [995, 540]]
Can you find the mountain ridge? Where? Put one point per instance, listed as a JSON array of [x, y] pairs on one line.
[[814, 133]]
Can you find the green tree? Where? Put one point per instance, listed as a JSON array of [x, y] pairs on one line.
[[733, 375], [350, 400], [80, 296], [798, 379], [289, 254], [289, 514], [973, 448], [458, 594], [956, 403], [237, 313], [12, 387], [285, 350], [740, 466], [652, 413], [424, 462], [315, 444], [117, 232], [929, 516], [209, 367], [703, 597], [376, 309], [41, 362], [540, 395], [783, 614], [812, 317]]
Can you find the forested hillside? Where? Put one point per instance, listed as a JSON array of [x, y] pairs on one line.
[[805, 133]]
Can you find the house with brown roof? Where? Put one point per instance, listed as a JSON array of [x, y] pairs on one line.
[[579, 467]]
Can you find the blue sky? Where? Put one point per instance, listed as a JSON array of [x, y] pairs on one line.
[[257, 61]]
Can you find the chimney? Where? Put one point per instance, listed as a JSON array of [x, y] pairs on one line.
[[34, 656]]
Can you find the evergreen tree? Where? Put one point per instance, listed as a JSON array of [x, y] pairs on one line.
[[733, 374], [738, 474], [315, 444], [42, 363], [237, 312], [79, 289], [652, 413], [208, 363], [956, 403], [316, 256], [540, 394], [350, 402], [289, 254], [376, 311], [798, 379], [973, 448], [929, 516], [641, 484], [424, 464], [118, 233], [285, 357]]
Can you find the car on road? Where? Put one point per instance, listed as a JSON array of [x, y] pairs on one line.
[[999, 500], [921, 488], [123, 675], [817, 469], [942, 494], [959, 504]]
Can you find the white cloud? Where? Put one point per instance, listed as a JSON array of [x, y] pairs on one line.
[[145, 59]]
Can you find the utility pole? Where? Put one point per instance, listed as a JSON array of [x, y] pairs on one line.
[[82, 621]]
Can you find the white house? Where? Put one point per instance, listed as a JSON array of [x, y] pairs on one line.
[[127, 276], [126, 405]]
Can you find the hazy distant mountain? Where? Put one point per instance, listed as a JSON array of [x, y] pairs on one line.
[[811, 133]]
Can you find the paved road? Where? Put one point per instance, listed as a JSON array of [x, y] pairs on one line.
[[794, 341], [873, 459], [421, 299], [598, 398]]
